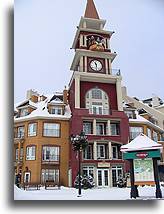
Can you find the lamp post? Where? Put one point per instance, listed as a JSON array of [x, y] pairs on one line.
[[79, 143]]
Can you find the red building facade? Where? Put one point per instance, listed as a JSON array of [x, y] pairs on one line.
[[95, 99]]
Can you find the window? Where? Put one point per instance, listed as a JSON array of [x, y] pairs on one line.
[[100, 151], [115, 128], [21, 154], [149, 133], [129, 114], [16, 154], [88, 152], [21, 132], [88, 170], [50, 153], [24, 112], [100, 129], [114, 152], [155, 136], [135, 131], [51, 129], [96, 100], [96, 94], [56, 110], [50, 175], [30, 153], [87, 127], [97, 108], [32, 129]]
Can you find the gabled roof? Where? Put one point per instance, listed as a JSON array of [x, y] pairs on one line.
[[41, 110], [91, 11], [141, 142]]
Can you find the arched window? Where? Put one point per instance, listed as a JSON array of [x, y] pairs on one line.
[[96, 100]]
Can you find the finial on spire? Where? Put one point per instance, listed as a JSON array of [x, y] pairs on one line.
[[91, 11]]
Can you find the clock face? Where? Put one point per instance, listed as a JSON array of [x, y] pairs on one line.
[[96, 65]]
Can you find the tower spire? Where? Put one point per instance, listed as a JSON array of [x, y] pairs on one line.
[[91, 11]]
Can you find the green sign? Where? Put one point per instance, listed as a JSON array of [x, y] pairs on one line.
[[142, 154]]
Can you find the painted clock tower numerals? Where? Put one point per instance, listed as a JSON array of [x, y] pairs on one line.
[[96, 65]]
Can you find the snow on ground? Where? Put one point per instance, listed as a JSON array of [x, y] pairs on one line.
[[65, 193]]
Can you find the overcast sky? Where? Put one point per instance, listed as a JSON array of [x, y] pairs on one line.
[[45, 29]]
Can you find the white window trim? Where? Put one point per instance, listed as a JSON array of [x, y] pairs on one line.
[[33, 131], [99, 153], [29, 156], [56, 155], [55, 130]]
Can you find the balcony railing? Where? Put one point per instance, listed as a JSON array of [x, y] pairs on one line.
[[51, 159], [99, 111], [19, 135], [116, 72]]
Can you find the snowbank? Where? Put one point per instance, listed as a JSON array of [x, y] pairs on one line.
[[65, 193]]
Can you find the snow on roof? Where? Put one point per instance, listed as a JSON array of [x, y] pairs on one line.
[[140, 119], [41, 110], [141, 142], [56, 101]]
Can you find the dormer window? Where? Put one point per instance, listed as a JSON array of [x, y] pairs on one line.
[[56, 110], [24, 112], [129, 114]]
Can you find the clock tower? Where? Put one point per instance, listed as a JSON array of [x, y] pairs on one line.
[[95, 99]]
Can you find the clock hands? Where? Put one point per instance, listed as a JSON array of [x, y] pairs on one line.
[[96, 65]]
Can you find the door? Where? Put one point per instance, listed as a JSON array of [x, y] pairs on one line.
[[116, 172], [27, 177], [102, 177]]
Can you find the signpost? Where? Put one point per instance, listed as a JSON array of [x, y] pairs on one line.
[[142, 154]]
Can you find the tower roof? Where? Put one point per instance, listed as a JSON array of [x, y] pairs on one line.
[[91, 11]]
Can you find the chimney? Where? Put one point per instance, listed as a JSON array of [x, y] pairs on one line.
[[155, 101], [34, 98], [32, 95], [65, 96], [124, 91]]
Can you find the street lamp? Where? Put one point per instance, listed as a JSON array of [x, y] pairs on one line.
[[79, 143]]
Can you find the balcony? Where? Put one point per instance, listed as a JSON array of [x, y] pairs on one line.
[[50, 159], [18, 162], [99, 111], [114, 72], [19, 137]]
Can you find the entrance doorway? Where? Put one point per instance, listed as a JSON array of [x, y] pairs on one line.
[[103, 177], [27, 177], [116, 172]]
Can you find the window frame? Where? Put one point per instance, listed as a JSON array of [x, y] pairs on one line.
[[22, 110], [44, 153], [34, 132], [88, 169], [103, 129], [99, 151], [136, 133], [90, 128], [116, 129], [19, 132], [33, 157], [88, 155], [55, 109], [115, 147], [58, 135]]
